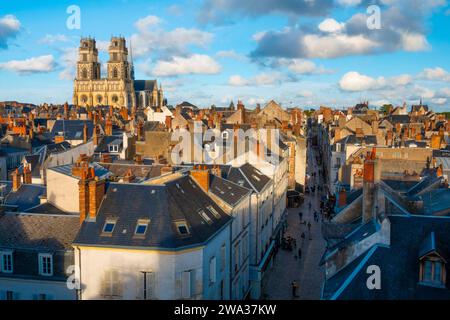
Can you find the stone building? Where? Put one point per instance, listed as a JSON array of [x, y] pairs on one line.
[[118, 88]]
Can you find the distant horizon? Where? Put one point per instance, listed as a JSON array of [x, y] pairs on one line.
[[211, 52]]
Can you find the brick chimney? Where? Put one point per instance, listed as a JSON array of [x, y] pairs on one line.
[[129, 176], [85, 133], [95, 136], [16, 179], [91, 192], [169, 122], [371, 178], [138, 159], [342, 198], [201, 175], [27, 178], [217, 171], [108, 127], [105, 158], [140, 131]]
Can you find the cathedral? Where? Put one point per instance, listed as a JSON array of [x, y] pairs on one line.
[[118, 88]]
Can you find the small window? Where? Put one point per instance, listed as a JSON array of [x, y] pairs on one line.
[[141, 227], [214, 212], [205, 217], [109, 226], [45, 264], [433, 271], [9, 295], [6, 262], [182, 228]]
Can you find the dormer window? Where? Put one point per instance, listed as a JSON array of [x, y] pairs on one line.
[[108, 228], [432, 262], [182, 228], [142, 227], [432, 270], [113, 148]]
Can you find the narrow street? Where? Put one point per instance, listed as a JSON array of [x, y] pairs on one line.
[[305, 271]]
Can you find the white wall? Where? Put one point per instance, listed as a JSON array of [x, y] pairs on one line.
[[25, 289], [62, 191]]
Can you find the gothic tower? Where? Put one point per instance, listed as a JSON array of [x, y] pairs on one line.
[[88, 67], [117, 89]]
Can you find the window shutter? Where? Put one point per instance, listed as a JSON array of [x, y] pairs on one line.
[[151, 285], [212, 270], [186, 285]]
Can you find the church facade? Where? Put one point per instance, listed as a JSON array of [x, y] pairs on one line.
[[118, 88]]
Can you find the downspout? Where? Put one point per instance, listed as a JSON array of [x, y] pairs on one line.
[[80, 291]]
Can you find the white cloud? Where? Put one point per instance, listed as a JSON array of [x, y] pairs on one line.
[[435, 74], [337, 45], [349, 3], [262, 79], [40, 64], [50, 38], [331, 26], [9, 28], [237, 81], [152, 38], [439, 101], [414, 42], [301, 66], [230, 54], [194, 64], [68, 59], [354, 81]]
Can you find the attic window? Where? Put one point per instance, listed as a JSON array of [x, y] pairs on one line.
[[432, 271], [256, 178], [205, 217], [182, 228], [141, 227], [214, 212], [109, 226]]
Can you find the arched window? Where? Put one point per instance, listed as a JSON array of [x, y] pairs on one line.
[[115, 98], [115, 73], [84, 74], [99, 99]]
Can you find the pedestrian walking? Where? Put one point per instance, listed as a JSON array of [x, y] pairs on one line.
[[294, 288], [309, 226], [299, 253], [300, 215]]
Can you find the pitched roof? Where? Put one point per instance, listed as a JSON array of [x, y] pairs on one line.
[[164, 206], [40, 232]]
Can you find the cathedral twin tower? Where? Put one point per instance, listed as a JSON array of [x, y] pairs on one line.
[[118, 88]]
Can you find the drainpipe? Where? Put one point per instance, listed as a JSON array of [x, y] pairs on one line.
[[80, 291]]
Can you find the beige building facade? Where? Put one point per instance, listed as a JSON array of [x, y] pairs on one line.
[[117, 89]]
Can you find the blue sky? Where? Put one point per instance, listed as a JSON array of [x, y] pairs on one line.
[[302, 53]]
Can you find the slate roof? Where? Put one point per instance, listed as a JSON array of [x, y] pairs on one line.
[[139, 171], [144, 85], [73, 129], [226, 190], [46, 208], [249, 177], [99, 170], [103, 145], [26, 197], [178, 200], [399, 263], [40, 232]]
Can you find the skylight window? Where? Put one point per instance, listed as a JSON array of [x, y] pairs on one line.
[[141, 227], [205, 216], [256, 178], [214, 212], [182, 228], [109, 227]]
